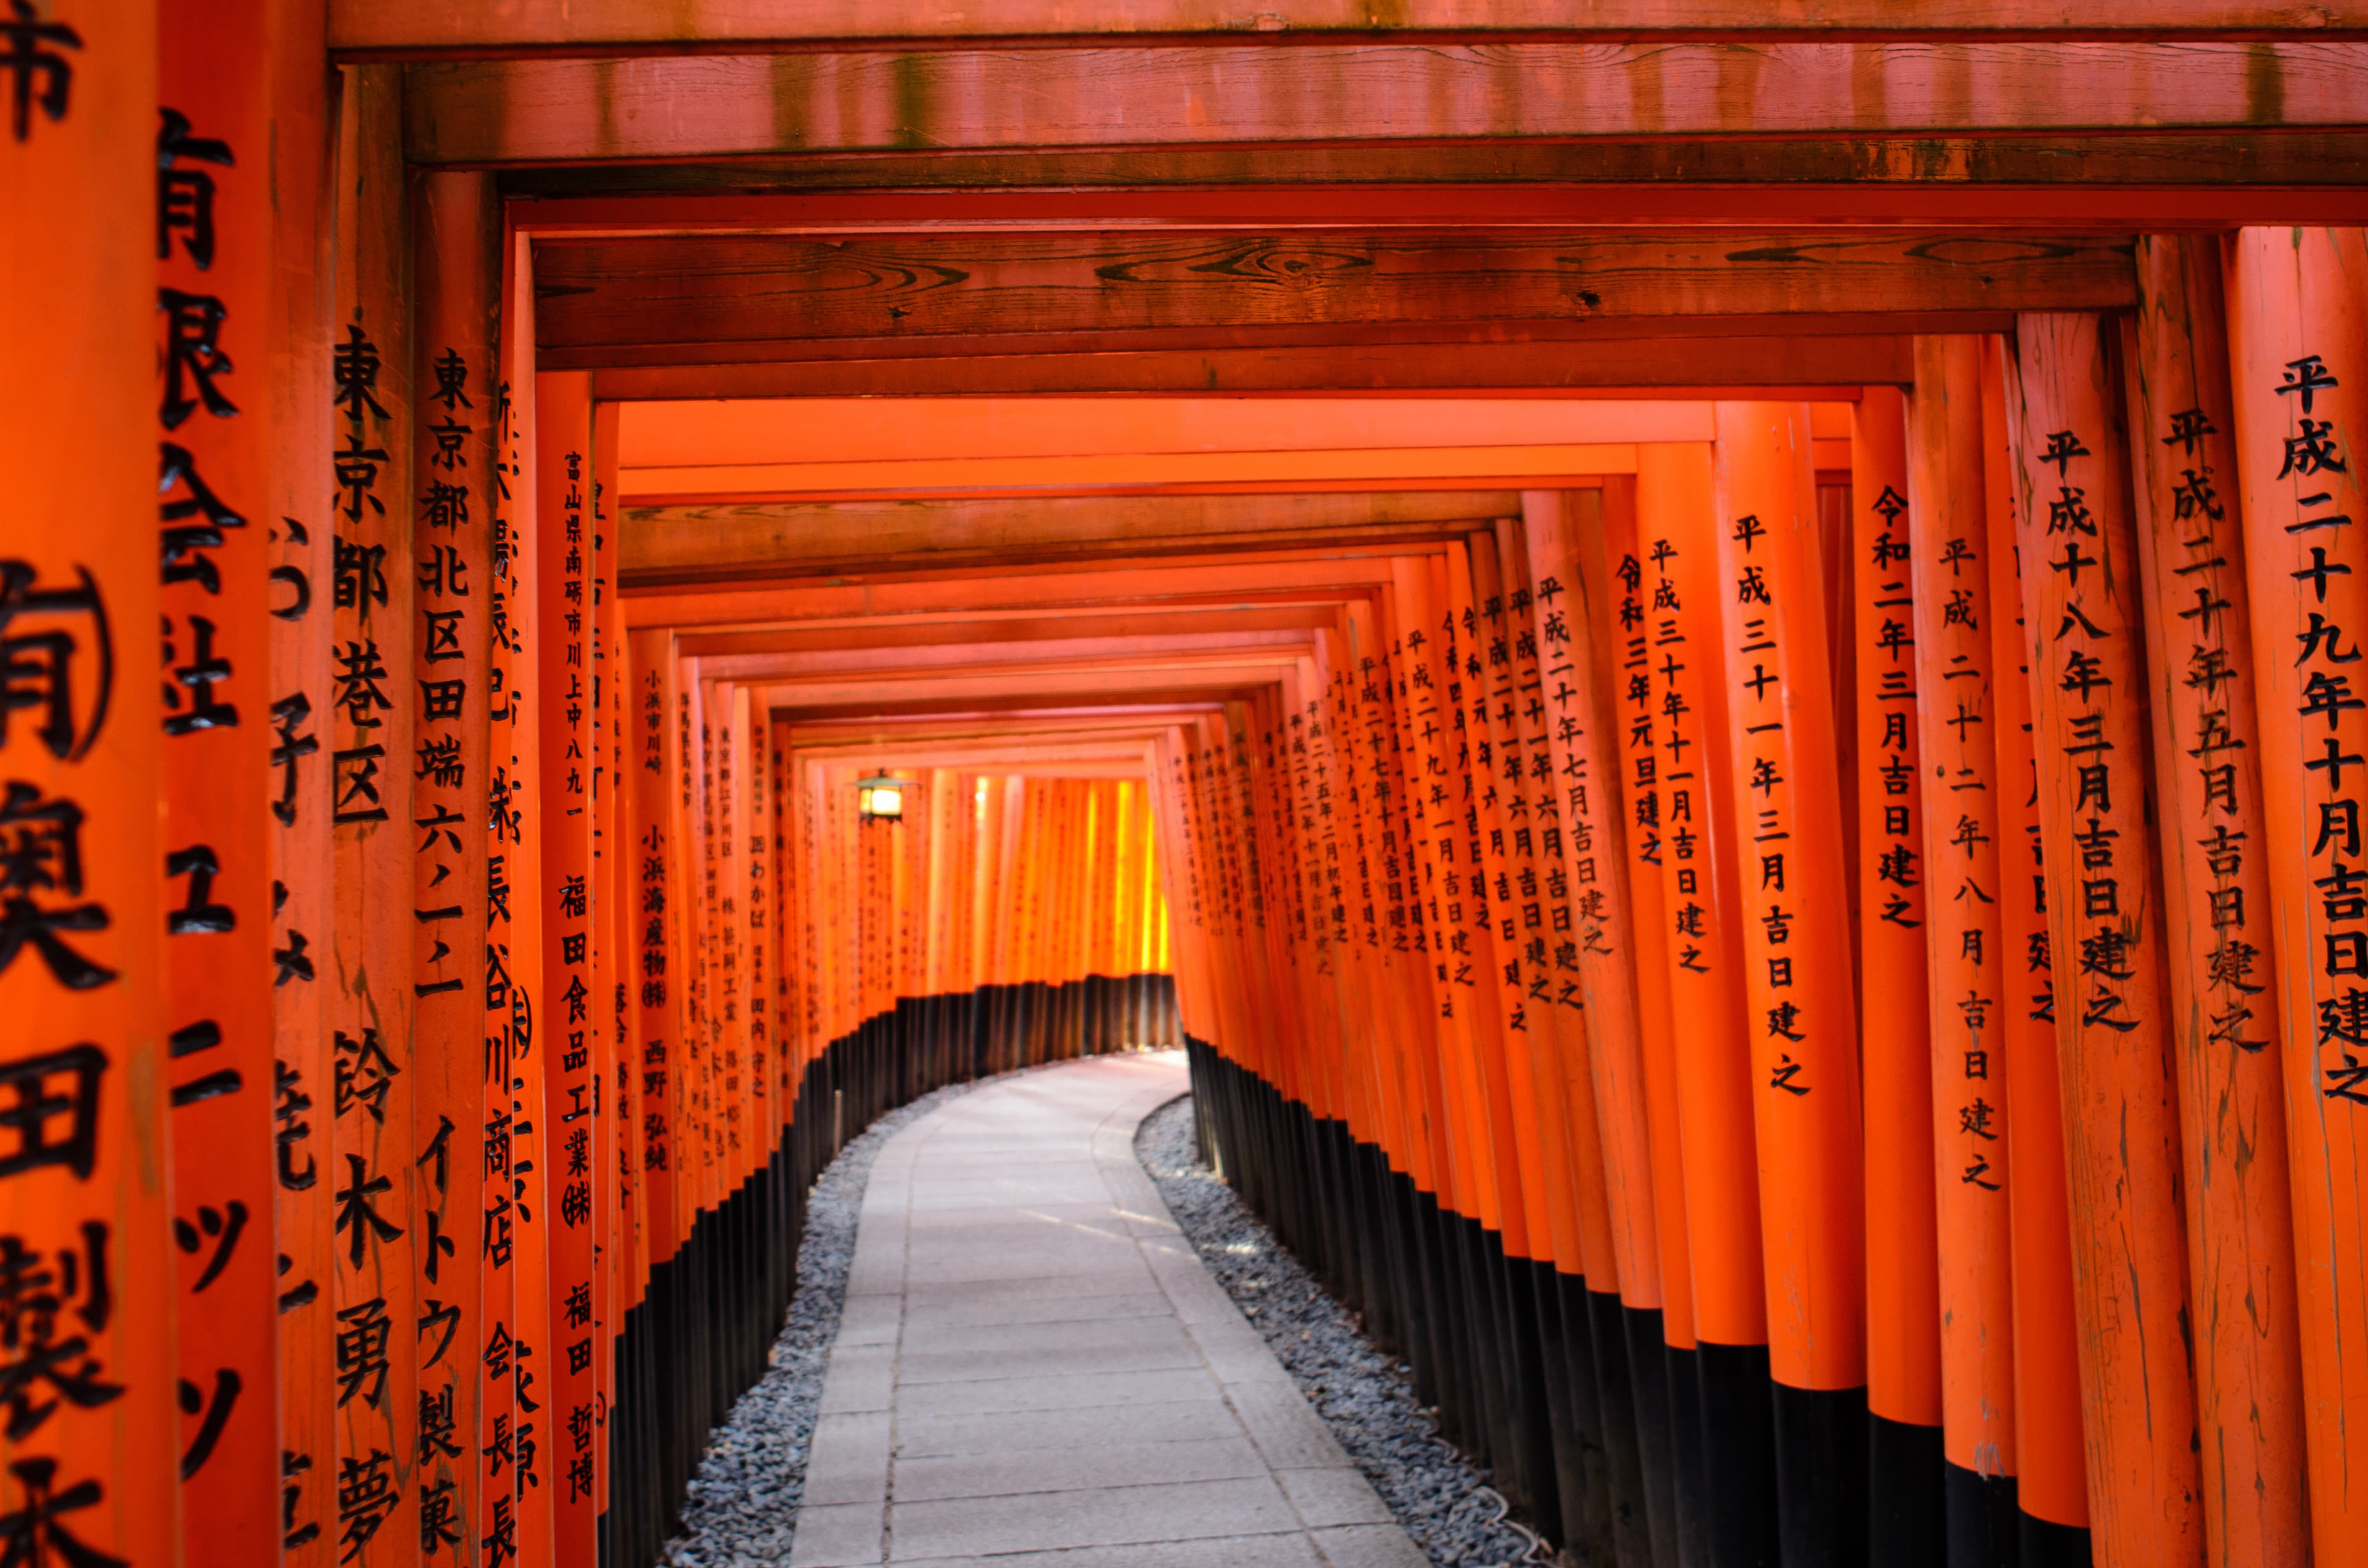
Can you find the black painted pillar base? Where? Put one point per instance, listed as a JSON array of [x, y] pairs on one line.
[[1985, 1526], [1906, 1516]]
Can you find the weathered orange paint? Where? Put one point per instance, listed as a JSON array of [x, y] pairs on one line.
[[2082, 623], [2296, 315]]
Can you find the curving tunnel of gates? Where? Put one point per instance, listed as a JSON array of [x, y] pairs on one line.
[[932, 996], [1782, 909]]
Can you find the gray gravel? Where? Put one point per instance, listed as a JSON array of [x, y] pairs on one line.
[[742, 1507], [1367, 1399]]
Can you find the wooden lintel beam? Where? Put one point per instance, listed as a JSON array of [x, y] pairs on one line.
[[2044, 180], [901, 662], [1148, 622], [686, 543], [2080, 186], [537, 110], [756, 603], [1809, 364], [363, 29], [677, 300]]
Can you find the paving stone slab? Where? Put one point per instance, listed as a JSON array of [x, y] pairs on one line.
[[1034, 1370]]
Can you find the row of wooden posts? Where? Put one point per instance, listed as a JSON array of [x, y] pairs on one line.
[[425, 997], [1831, 1020]]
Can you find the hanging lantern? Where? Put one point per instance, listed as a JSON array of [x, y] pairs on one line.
[[880, 797]]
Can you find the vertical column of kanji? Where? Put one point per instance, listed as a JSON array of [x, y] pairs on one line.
[[2053, 1487], [1533, 1077], [1404, 1081], [1405, 986], [1903, 1304], [1677, 523], [1956, 710], [611, 1230], [1568, 808], [1663, 1357], [519, 1025], [1547, 1057], [1785, 796], [1623, 642], [369, 742], [85, 1272], [653, 888], [2120, 1125], [562, 617], [457, 230], [1467, 1158], [303, 418], [508, 1010], [2215, 887], [2298, 353], [788, 930], [214, 244], [1580, 845], [720, 843]]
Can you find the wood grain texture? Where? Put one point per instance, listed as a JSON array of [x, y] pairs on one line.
[[534, 111], [681, 540], [670, 300], [370, 27], [1688, 364], [2051, 178]]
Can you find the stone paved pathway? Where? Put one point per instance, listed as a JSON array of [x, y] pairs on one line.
[[1034, 1370]]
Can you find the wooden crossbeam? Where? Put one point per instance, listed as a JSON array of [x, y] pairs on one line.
[[1808, 364], [746, 602], [2132, 178], [688, 300], [681, 543], [1149, 621], [577, 111], [912, 662], [370, 29]]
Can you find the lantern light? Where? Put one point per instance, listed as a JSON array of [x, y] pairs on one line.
[[880, 797]]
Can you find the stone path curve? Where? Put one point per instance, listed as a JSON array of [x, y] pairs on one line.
[[1034, 1370]]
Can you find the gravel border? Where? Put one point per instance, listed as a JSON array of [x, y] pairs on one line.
[[1368, 1400], [742, 1510]]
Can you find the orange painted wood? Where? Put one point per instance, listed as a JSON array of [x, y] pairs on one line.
[[1677, 509], [87, 1187], [1498, 1122], [214, 427], [1441, 1162], [1616, 576], [1594, 915], [2228, 1050], [362, 1495], [517, 1352], [301, 555], [1958, 863], [1663, 361], [2295, 317], [611, 955], [537, 110], [1567, 807], [2021, 184], [2049, 1427], [571, 1014], [2120, 1119], [447, 27], [1903, 1303], [1545, 1038], [656, 964], [667, 299], [1784, 795], [457, 482]]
